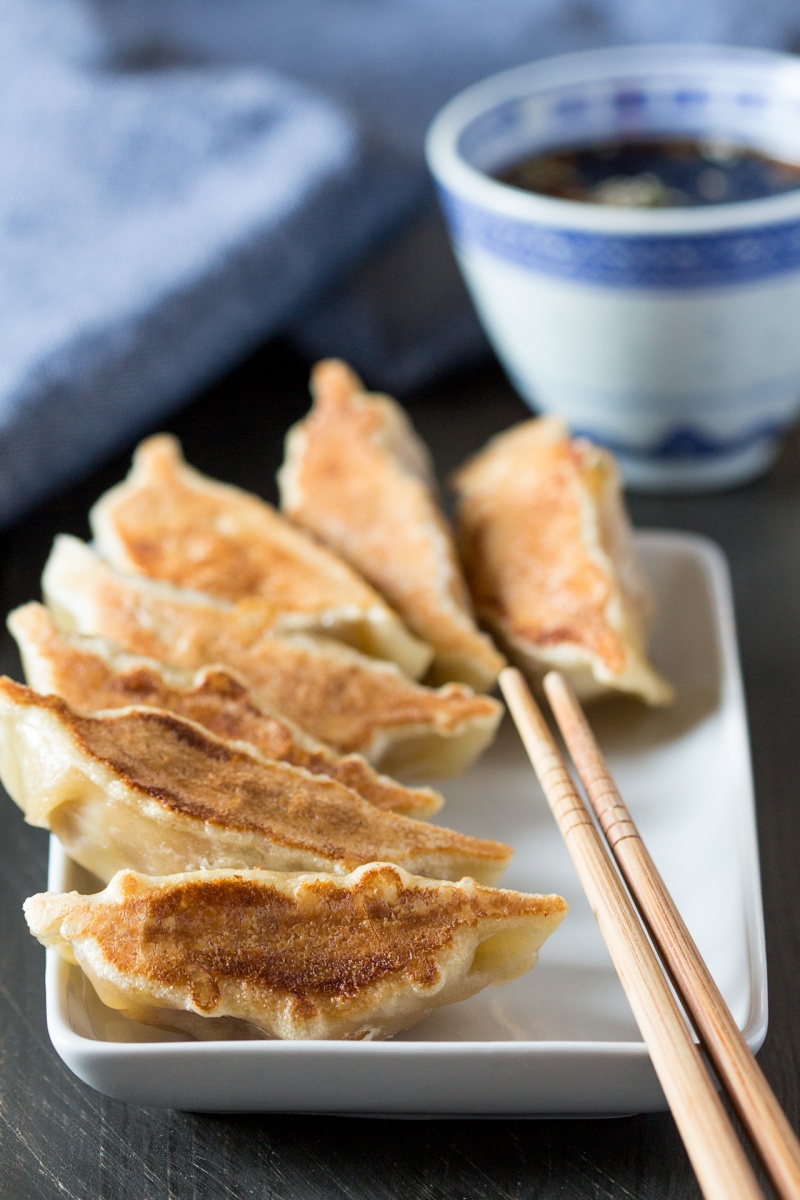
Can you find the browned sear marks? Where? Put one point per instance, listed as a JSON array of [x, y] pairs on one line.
[[358, 477], [326, 940], [337, 696], [91, 681], [191, 773], [167, 521], [525, 544]]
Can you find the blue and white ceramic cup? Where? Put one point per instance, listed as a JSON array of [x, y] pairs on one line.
[[670, 335]]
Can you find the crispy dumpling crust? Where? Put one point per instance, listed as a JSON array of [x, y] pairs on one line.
[[294, 956], [142, 788], [356, 475], [349, 701], [167, 521], [92, 674], [549, 557]]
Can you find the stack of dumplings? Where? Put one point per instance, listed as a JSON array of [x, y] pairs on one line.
[[223, 701]]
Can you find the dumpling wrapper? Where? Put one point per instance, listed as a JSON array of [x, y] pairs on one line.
[[294, 956], [92, 674], [353, 703], [167, 521], [356, 475], [550, 560], [142, 788]]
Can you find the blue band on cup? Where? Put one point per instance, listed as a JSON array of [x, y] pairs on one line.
[[629, 260], [688, 442]]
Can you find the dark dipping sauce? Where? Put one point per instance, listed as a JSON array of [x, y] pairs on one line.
[[654, 173]]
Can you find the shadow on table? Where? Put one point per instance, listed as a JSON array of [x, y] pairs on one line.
[[310, 1157]]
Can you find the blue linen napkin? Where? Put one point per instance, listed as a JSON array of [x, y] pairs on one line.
[[183, 178], [154, 226]]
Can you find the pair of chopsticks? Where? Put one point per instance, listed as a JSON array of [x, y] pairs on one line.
[[722, 1168]]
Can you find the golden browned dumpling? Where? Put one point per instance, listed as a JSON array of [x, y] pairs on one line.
[[294, 956], [358, 477], [142, 788], [550, 560], [92, 674], [167, 521], [354, 703]]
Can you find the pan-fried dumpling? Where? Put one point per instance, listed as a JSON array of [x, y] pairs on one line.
[[142, 788], [359, 478], [354, 703], [92, 674], [550, 560], [294, 956], [167, 521]]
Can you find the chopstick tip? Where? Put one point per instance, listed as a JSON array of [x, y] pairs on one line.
[[555, 684], [510, 677]]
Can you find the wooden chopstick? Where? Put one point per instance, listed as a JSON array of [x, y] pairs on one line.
[[721, 1166], [740, 1075]]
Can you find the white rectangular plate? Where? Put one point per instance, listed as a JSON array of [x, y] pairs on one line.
[[562, 1039]]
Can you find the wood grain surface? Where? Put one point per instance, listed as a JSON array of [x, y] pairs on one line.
[[60, 1139]]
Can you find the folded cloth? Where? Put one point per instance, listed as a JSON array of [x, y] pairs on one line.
[[154, 226], [183, 178]]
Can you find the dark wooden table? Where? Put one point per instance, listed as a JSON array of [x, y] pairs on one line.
[[60, 1139]]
